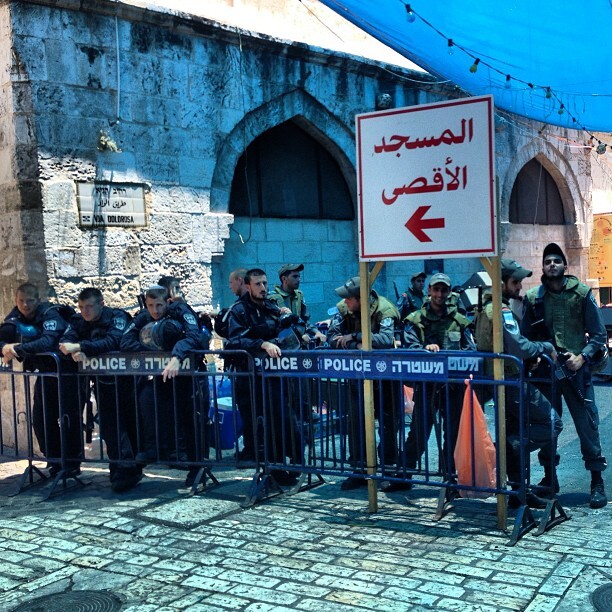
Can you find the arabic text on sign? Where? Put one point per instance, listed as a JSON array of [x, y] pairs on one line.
[[396, 142]]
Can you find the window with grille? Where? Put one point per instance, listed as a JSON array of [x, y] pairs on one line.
[[535, 197], [286, 173]]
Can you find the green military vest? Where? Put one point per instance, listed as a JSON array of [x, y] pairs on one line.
[[380, 308], [483, 334], [282, 298], [563, 314], [440, 331]]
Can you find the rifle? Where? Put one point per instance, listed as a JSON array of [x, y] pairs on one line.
[[397, 293]]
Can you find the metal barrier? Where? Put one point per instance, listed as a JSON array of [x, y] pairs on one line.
[[139, 419], [405, 456], [302, 419]]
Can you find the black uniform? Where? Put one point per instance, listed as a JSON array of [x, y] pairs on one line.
[[41, 335], [161, 405], [250, 325], [114, 395]]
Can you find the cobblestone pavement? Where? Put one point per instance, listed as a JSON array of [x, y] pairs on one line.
[[159, 549]]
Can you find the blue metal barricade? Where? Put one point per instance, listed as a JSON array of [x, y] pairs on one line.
[[293, 420]]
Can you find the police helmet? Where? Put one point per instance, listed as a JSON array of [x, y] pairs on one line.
[[161, 335]]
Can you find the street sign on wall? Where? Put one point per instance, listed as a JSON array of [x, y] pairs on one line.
[[600, 253], [426, 181], [104, 204]]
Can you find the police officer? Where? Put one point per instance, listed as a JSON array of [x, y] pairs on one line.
[[436, 326], [254, 325], [540, 422], [97, 330], [238, 288], [288, 294], [345, 333], [34, 327], [412, 299], [563, 311], [172, 327]]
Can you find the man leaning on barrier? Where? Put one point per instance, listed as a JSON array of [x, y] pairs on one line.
[[345, 333], [33, 327], [97, 330], [254, 325], [436, 326], [563, 311], [541, 424], [167, 406]]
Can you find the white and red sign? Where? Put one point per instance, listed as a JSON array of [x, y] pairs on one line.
[[426, 181]]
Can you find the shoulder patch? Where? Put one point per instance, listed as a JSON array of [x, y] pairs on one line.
[[119, 323], [510, 322], [50, 325], [387, 321], [189, 318]]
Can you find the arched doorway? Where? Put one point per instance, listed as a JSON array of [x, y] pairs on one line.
[[292, 204]]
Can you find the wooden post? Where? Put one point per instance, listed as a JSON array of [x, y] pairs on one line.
[[493, 267], [365, 284]]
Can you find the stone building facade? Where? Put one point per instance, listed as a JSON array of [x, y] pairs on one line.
[[109, 92]]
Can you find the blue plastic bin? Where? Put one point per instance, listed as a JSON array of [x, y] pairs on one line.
[[223, 421]]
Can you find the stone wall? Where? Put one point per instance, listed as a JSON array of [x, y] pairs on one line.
[[182, 98]]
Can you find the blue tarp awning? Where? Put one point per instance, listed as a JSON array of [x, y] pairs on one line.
[[549, 61]]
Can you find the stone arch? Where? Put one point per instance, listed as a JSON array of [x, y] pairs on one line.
[[306, 112], [557, 165]]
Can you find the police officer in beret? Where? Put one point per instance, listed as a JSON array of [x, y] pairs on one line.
[[35, 327], [96, 330]]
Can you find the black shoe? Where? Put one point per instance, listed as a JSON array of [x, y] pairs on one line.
[[191, 476], [598, 496], [245, 455], [145, 457], [180, 457], [54, 469], [125, 482], [283, 478], [389, 486], [545, 489], [531, 500], [353, 483]]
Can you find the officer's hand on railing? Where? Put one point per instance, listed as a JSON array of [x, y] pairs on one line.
[[271, 349], [69, 347], [342, 341], [434, 348], [8, 353], [172, 369]]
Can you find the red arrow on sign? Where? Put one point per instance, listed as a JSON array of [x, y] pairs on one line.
[[416, 224]]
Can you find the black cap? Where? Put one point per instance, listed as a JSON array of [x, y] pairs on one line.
[[513, 269], [289, 268], [350, 288], [554, 249]]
